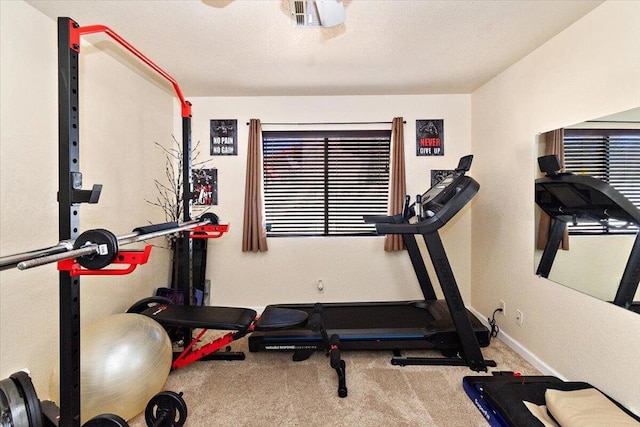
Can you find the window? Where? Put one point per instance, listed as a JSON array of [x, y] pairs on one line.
[[612, 155], [321, 183]]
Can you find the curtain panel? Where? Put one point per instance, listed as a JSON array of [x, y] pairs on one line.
[[254, 234], [397, 184]]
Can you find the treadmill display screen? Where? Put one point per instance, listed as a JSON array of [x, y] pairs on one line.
[[437, 189], [567, 195]]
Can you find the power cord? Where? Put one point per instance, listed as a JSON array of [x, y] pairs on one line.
[[492, 322]]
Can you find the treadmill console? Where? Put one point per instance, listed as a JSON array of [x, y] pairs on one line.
[[580, 198], [432, 200], [436, 190], [433, 208]]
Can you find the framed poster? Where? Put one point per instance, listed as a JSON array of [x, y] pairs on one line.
[[205, 187], [430, 137], [224, 137]]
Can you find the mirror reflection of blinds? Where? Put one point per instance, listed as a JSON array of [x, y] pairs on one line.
[[321, 183], [612, 155]]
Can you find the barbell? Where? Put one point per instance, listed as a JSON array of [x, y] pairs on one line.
[[97, 248]]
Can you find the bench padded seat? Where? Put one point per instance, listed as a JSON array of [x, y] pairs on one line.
[[223, 318], [273, 318]]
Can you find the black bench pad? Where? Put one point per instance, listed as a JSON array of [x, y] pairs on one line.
[[223, 318], [280, 318]]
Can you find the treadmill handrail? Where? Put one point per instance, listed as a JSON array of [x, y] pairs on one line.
[[379, 219]]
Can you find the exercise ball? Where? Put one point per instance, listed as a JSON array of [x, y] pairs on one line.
[[125, 360]]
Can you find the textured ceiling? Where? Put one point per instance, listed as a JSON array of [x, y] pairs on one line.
[[251, 48]]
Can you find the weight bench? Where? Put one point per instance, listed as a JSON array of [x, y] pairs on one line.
[[240, 320]]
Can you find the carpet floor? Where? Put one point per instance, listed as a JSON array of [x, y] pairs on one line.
[[268, 389]]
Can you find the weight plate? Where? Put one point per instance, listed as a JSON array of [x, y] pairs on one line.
[[213, 218], [12, 405], [103, 238], [5, 410], [34, 411], [166, 409], [106, 420], [145, 303]]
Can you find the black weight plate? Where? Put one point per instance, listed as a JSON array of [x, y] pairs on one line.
[[30, 397], [106, 420], [5, 409], [98, 236], [166, 409], [5, 406], [13, 408], [145, 303], [213, 218]]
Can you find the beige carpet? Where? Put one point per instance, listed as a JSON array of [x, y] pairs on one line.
[[268, 389]]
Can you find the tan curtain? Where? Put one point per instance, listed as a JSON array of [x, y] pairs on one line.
[[398, 190], [254, 235], [554, 144]]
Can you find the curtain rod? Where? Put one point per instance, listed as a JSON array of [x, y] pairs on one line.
[[329, 123]]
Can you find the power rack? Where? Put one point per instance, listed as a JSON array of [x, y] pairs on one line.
[[71, 195]]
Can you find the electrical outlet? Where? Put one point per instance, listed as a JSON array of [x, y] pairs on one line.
[[519, 317], [502, 306]]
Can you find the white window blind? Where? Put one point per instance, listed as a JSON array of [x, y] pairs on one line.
[[321, 183], [612, 155]]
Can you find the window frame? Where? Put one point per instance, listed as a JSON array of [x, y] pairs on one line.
[[340, 216]]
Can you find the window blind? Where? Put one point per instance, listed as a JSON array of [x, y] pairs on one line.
[[321, 183], [612, 155]]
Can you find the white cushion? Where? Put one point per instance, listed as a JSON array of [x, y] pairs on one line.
[[585, 408], [540, 412]]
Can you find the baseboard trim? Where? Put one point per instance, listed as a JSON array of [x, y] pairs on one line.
[[521, 350]]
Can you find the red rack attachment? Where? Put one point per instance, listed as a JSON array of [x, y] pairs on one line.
[[132, 258], [212, 231]]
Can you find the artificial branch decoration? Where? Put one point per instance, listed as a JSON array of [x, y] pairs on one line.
[[170, 193]]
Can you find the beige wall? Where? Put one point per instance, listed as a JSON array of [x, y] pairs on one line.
[[352, 269], [121, 116], [591, 69]]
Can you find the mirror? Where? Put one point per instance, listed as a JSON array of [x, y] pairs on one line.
[[595, 264]]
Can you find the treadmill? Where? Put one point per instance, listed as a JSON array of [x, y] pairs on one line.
[[569, 198], [428, 324]]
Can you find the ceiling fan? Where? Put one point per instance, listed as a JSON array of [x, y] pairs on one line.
[[317, 13]]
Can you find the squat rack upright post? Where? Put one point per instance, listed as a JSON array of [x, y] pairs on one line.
[[69, 181], [71, 195]]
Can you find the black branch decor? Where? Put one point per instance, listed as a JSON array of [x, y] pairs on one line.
[[170, 191]]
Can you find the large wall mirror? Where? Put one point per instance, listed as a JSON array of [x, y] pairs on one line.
[[595, 252]]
